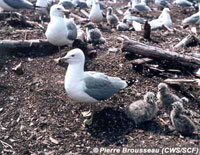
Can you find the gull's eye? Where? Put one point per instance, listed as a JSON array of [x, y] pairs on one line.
[[73, 55], [58, 9]]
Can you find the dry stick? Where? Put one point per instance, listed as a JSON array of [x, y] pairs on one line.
[[147, 30], [158, 53], [189, 40], [20, 45], [6, 144]]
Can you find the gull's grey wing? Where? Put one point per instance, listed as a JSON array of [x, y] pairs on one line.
[[101, 86], [72, 30], [19, 4], [67, 4], [192, 19], [142, 7]]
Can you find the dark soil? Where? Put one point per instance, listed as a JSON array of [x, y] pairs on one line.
[[38, 117]]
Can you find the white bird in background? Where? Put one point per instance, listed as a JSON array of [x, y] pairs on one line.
[[130, 18], [43, 7], [140, 7], [14, 5], [163, 19], [67, 4], [60, 31], [194, 19], [162, 3], [183, 3], [95, 13]]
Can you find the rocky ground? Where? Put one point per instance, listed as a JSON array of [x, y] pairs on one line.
[[37, 116]]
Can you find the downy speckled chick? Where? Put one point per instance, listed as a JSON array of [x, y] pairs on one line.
[[94, 35], [142, 110], [181, 122], [111, 18], [166, 98]]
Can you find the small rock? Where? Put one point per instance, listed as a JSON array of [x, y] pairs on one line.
[[53, 140], [18, 69]]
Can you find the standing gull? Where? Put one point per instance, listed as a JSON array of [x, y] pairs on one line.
[[89, 87], [141, 7], [67, 4], [162, 3], [183, 3], [60, 31], [142, 110], [181, 122], [95, 13], [13, 5]]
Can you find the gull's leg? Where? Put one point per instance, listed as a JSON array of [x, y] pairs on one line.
[[89, 121]]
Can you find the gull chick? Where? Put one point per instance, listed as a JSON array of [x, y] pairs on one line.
[[123, 26], [94, 35], [111, 18], [60, 31], [166, 98], [142, 110], [181, 122]]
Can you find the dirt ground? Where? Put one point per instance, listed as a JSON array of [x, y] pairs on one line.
[[37, 116]]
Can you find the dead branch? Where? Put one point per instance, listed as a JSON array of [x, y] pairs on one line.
[[158, 53], [179, 81], [190, 40], [25, 45]]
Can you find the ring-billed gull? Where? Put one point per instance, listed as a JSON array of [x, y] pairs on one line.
[[181, 122], [95, 13], [60, 31], [13, 5], [183, 3], [68, 4], [140, 7], [88, 86], [111, 18], [123, 26], [167, 98], [163, 19], [194, 19], [162, 3], [130, 18], [142, 110]]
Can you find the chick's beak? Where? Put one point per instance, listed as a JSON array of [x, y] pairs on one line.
[[66, 12]]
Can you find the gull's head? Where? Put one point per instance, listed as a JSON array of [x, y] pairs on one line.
[[167, 10], [74, 56], [58, 10], [178, 107], [162, 87]]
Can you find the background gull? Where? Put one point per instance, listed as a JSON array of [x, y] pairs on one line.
[[60, 31], [101, 4], [183, 3], [123, 26], [180, 121], [13, 5], [95, 12], [67, 4], [142, 110], [162, 3], [141, 7], [163, 19], [130, 18], [194, 19]]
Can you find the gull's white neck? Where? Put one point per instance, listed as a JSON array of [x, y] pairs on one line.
[[75, 72]]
